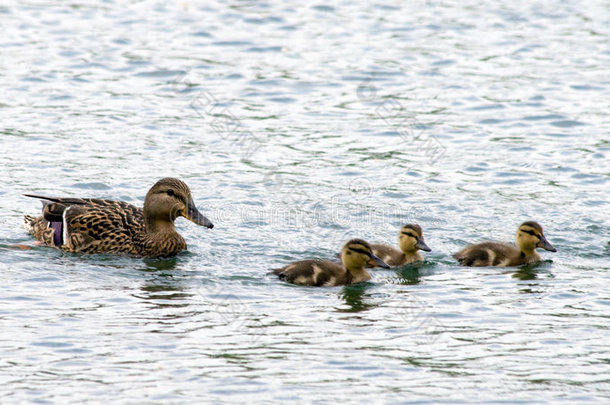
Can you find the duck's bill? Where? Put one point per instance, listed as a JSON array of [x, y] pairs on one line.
[[193, 214], [546, 245], [375, 261], [422, 245]]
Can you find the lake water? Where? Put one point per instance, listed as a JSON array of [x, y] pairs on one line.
[[298, 127]]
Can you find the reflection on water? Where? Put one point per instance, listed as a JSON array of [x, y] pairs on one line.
[[533, 271], [156, 264], [410, 274], [156, 291], [164, 287], [525, 274], [167, 293], [355, 297]]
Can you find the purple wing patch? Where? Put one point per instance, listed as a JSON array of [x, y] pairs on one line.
[[58, 232]]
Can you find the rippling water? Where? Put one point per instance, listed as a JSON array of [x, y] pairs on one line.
[[298, 127]]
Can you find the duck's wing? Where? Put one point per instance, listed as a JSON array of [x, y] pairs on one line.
[[54, 207], [487, 254], [312, 272], [390, 255], [93, 225]]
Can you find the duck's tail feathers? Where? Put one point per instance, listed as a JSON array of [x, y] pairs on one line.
[[28, 223]]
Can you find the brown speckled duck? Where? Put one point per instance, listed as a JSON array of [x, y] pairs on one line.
[[355, 255], [529, 237], [92, 225], [410, 241]]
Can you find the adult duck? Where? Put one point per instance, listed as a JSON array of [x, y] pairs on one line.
[[91, 225]]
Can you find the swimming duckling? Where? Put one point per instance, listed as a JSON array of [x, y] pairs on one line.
[[529, 237], [410, 240], [105, 226], [355, 255]]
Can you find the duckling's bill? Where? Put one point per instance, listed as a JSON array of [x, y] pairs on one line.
[[193, 214], [377, 261], [421, 245], [545, 244]]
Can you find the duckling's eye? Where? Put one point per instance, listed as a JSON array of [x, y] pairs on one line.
[[529, 232], [409, 234], [361, 251], [170, 192]]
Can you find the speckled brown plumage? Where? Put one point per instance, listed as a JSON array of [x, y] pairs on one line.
[[107, 226]]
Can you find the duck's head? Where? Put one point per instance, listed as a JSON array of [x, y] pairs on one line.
[[411, 238], [169, 199], [357, 253], [530, 236]]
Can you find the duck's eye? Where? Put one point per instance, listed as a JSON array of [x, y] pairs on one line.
[[361, 251], [170, 192], [529, 232]]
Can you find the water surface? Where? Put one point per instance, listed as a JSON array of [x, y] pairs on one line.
[[298, 127]]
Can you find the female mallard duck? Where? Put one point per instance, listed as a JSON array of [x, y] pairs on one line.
[[529, 237], [355, 255], [410, 240], [105, 226]]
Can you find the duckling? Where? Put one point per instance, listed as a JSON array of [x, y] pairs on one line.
[[91, 225], [410, 240], [355, 255], [529, 237]]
